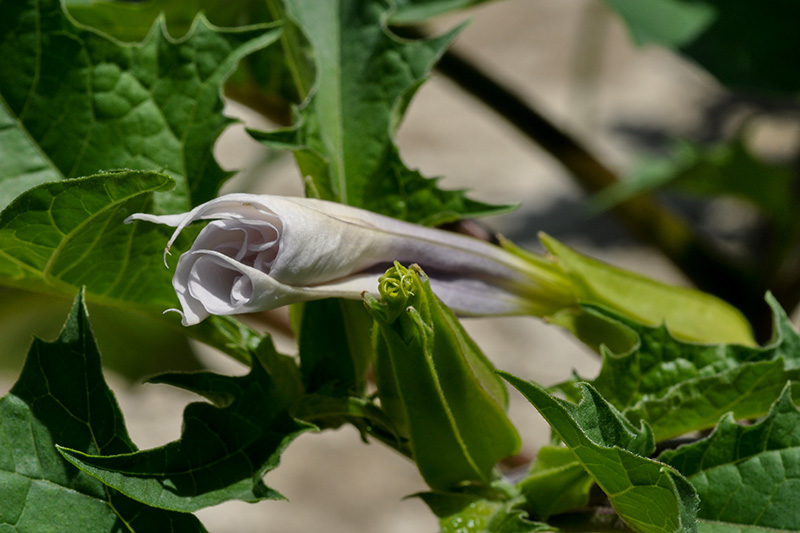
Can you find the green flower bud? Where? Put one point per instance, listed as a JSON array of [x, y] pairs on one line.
[[436, 385]]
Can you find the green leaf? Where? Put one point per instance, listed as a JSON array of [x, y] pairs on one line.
[[556, 482], [649, 496], [131, 22], [62, 399], [118, 331], [224, 449], [262, 81], [670, 23], [747, 391], [678, 387], [747, 475], [342, 137], [416, 11], [481, 510], [689, 314], [61, 235], [74, 102], [436, 385]]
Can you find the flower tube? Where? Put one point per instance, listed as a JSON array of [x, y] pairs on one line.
[[260, 252]]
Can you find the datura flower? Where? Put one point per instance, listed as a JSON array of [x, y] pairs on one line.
[[260, 252]]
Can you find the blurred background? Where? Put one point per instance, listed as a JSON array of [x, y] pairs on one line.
[[644, 112]]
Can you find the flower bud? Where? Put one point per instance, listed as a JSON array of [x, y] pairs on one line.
[[436, 385]]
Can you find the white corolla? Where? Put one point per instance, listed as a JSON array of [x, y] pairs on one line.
[[260, 252]]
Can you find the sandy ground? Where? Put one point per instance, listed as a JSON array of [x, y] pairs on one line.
[[334, 482]]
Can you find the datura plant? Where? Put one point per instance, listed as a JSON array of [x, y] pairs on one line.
[[110, 113]]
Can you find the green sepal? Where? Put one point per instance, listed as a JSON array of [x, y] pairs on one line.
[[437, 387], [689, 314]]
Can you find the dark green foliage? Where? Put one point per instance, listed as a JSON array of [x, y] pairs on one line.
[[61, 399]]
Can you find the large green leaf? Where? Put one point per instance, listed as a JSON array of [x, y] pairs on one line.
[[747, 391], [649, 496], [74, 102], [690, 314], [225, 447], [118, 332], [679, 387], [342, 137], [263, 80], [62, 399], [61, 235], [747, 475]]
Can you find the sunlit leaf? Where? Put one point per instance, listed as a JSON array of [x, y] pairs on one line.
[[649, 496], [59, 236], [74, 102], [342, 136], [690, 314], [678, 387], [747, 475]]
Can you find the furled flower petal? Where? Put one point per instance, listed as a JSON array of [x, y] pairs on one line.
[[261, 252]]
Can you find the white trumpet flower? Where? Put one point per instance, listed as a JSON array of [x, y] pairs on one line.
[[260, 252]]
